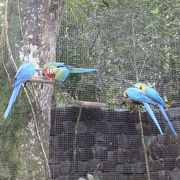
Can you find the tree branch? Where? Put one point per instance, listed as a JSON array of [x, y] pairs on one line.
[[91, 104], [37, 79]]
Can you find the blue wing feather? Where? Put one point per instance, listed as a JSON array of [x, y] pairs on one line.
[[153, 116], [152, 93], [167, 119], [82, 70], [23, 74], [140, 96], [12, 100]]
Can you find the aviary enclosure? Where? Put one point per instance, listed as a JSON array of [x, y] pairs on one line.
[[84, 128]]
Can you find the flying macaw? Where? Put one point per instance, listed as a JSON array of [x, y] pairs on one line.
[[153, 94], [61, 73], [23, 74], [105, 2], [139, 96]]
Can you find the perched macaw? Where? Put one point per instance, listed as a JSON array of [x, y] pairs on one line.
[[49, 68], [153, 94], [105, 2], [23, 74], [61, 73], [139, 96]]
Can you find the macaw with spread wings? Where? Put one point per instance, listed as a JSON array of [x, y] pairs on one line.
[[61, 72]]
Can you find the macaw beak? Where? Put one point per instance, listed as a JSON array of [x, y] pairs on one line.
[[36, 66], [125, 94]]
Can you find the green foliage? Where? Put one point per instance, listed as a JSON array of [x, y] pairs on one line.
[[129, 42]]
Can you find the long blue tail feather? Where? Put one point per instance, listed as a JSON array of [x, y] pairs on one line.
[[153, 116], [79, 70], [12, 100], [167, 119]]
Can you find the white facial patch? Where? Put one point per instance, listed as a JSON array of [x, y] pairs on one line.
[[50, 71], [138, 86]]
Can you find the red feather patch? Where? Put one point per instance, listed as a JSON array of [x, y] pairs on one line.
[[50, 72]]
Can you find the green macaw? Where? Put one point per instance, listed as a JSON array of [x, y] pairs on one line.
[[61, 73]]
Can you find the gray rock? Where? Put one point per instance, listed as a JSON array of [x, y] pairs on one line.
[[85, 140], [150, 140], [147, 129], [178, 162], [139, 168], [169, 164], [164, 175], [155, 166], [84, 154], [124, 168], [82, 166], [119, 156], [65, 167], [158, 152], [176, 174], [111, 142], [119, 176], [108, 165], [55, 171], [94, 164], [100, 152]]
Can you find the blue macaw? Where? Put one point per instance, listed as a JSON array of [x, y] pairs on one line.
[[23, 74], [153, 94], [61, 73], [139, 96]]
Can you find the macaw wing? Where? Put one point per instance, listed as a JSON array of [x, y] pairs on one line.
[[12, 100], [24, 73], [139, 95], [167, 119], [153, 116], [82, 70], [25, 70], [152, 93], [54, 65], [61, 74]]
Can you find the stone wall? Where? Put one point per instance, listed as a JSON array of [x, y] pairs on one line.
[[108, 144]]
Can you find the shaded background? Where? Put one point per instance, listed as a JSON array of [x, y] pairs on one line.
[[130, 41]]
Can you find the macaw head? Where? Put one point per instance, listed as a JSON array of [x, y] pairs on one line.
[[141, 86], [125, 94], [36, 65], [50, 73]]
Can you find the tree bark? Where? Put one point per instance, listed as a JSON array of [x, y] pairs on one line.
[[39, 23]]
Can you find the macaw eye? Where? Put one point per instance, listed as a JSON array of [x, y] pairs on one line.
[[50, 71]]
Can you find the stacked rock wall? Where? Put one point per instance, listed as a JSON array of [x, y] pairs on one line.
[[108, 145]]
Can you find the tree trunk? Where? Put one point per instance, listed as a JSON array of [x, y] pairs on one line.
[[39, 22]]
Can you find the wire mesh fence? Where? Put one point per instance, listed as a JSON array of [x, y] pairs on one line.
[[128, 42]]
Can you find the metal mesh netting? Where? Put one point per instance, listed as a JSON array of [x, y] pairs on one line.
[[132, 41], [124, 45]]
